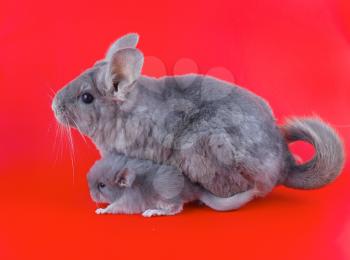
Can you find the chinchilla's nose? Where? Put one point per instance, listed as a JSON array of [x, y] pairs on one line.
[[57, 105]]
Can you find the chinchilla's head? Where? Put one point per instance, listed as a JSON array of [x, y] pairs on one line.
[[109, 178], [93, 98]]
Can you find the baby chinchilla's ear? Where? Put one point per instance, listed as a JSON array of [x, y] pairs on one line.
[[125, 177], [124, 68], [129, 40]]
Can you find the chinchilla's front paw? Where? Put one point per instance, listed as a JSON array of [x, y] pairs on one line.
[[155, 212], [100, 211], [150, 212]]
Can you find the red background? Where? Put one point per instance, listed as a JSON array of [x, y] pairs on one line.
[[294, 53]]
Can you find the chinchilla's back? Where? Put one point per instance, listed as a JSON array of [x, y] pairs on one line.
[[223, 123]]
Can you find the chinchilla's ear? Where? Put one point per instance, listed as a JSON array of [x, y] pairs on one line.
[[129, 40], [125, 178], [124, 68]]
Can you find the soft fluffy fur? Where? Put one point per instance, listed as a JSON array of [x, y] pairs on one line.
[[219, 135]]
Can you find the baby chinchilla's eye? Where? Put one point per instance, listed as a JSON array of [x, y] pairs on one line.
[[87, 98], [101, 185], [116, 86]]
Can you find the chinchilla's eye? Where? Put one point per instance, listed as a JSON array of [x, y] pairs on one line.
[[101, 185], [87, 98], [116, 86]]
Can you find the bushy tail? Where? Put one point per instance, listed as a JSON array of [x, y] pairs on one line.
[[328, 161]]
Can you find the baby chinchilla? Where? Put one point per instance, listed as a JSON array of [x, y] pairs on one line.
[[219, 135], [132, 186]]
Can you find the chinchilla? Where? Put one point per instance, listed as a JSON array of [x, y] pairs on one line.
[[132, 186], [221, 136]]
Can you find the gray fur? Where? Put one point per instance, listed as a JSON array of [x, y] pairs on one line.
[[141, 186], [219, 135], [328, 161], [129, 40]]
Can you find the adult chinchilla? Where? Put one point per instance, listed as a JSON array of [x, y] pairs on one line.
[[219, 135]]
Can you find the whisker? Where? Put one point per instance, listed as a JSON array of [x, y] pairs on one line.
[[49, 130], [53, 92], [59, 141], [56, 143], [79, 131], [71, 146], [61, 138], [51, 95]]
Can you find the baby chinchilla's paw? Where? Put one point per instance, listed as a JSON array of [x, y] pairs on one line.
[[101, 211], [153, 212]]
